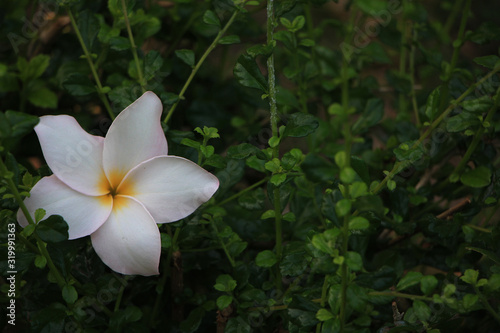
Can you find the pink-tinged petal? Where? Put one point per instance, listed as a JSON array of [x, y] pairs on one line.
[[72, 154], [134, 136], [129, 241], [84, 214], [170, 187]]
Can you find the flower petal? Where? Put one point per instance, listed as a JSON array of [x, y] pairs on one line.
[[170, 187], [134, 136], [84, 214], [72, 154], [129, 241]]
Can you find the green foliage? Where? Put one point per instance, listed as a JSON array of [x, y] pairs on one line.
[[375, 181]]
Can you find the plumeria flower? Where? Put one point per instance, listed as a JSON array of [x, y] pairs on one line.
[[117, 188]]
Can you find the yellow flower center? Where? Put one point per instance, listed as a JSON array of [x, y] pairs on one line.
[[116, 188]]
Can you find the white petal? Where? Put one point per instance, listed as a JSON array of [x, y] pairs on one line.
[[170, 187], [72, 154], [129, 241], [84, 214], [134, 136]]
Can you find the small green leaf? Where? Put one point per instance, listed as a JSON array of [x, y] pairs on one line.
[[248, 73], [391, 185], [69, 294], [225, 283], [43, 98], [39, 214], [487, 61], [470, 276], [241, 151], [278, 179], [266, 259], [40, 261], [300, 124], [28, 230], [190, 143], [274, 141], [210, 18], [274, 165], [428, 284], [231, 39], [53, 229], [354, 261], [470, 300], [343, 207], [347, 175], [421, 310], [324, 315], [224, 301], [268, 214], [358, 223], [409, 280], [341, 158], [187, 56], [478, 177]]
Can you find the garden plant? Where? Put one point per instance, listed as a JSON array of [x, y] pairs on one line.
[[249, 166]]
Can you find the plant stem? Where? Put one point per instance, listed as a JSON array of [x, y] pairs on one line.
[[134, 48], [100, 92], [403, 27], [200, 62], [273, 108], [226, 251]]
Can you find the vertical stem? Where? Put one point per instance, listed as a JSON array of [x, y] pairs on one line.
[[274, 127], [403, 103], [134, 48], [100, 92]]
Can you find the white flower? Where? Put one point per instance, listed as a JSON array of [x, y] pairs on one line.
[[118, 188]]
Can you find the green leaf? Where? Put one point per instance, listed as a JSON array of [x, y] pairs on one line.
[[478, 105], [231, 39], [225, 283], [470, 276], [300, 124], [354, 261], [489, 61], [409, 280], [340, 159], [347, 175], [278, 179], [461, 122], [53, 229], [78, 85], [119, 43], [210, 18], [408, 151], [224, 301], [207, 151], [372, 114], [248, 73], [266, 259], [43, 98], [478, 177], [421, 310], [268, 214], [187, 56], [358, 189], [69, 294], [16, 124], [89, 26], [428, 284], [190, 143], [324, 315], [34, 68], [343, 207], [39, 214], [358, 223], [432, 105], [470, 300], [40, 261], [241, 151]]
